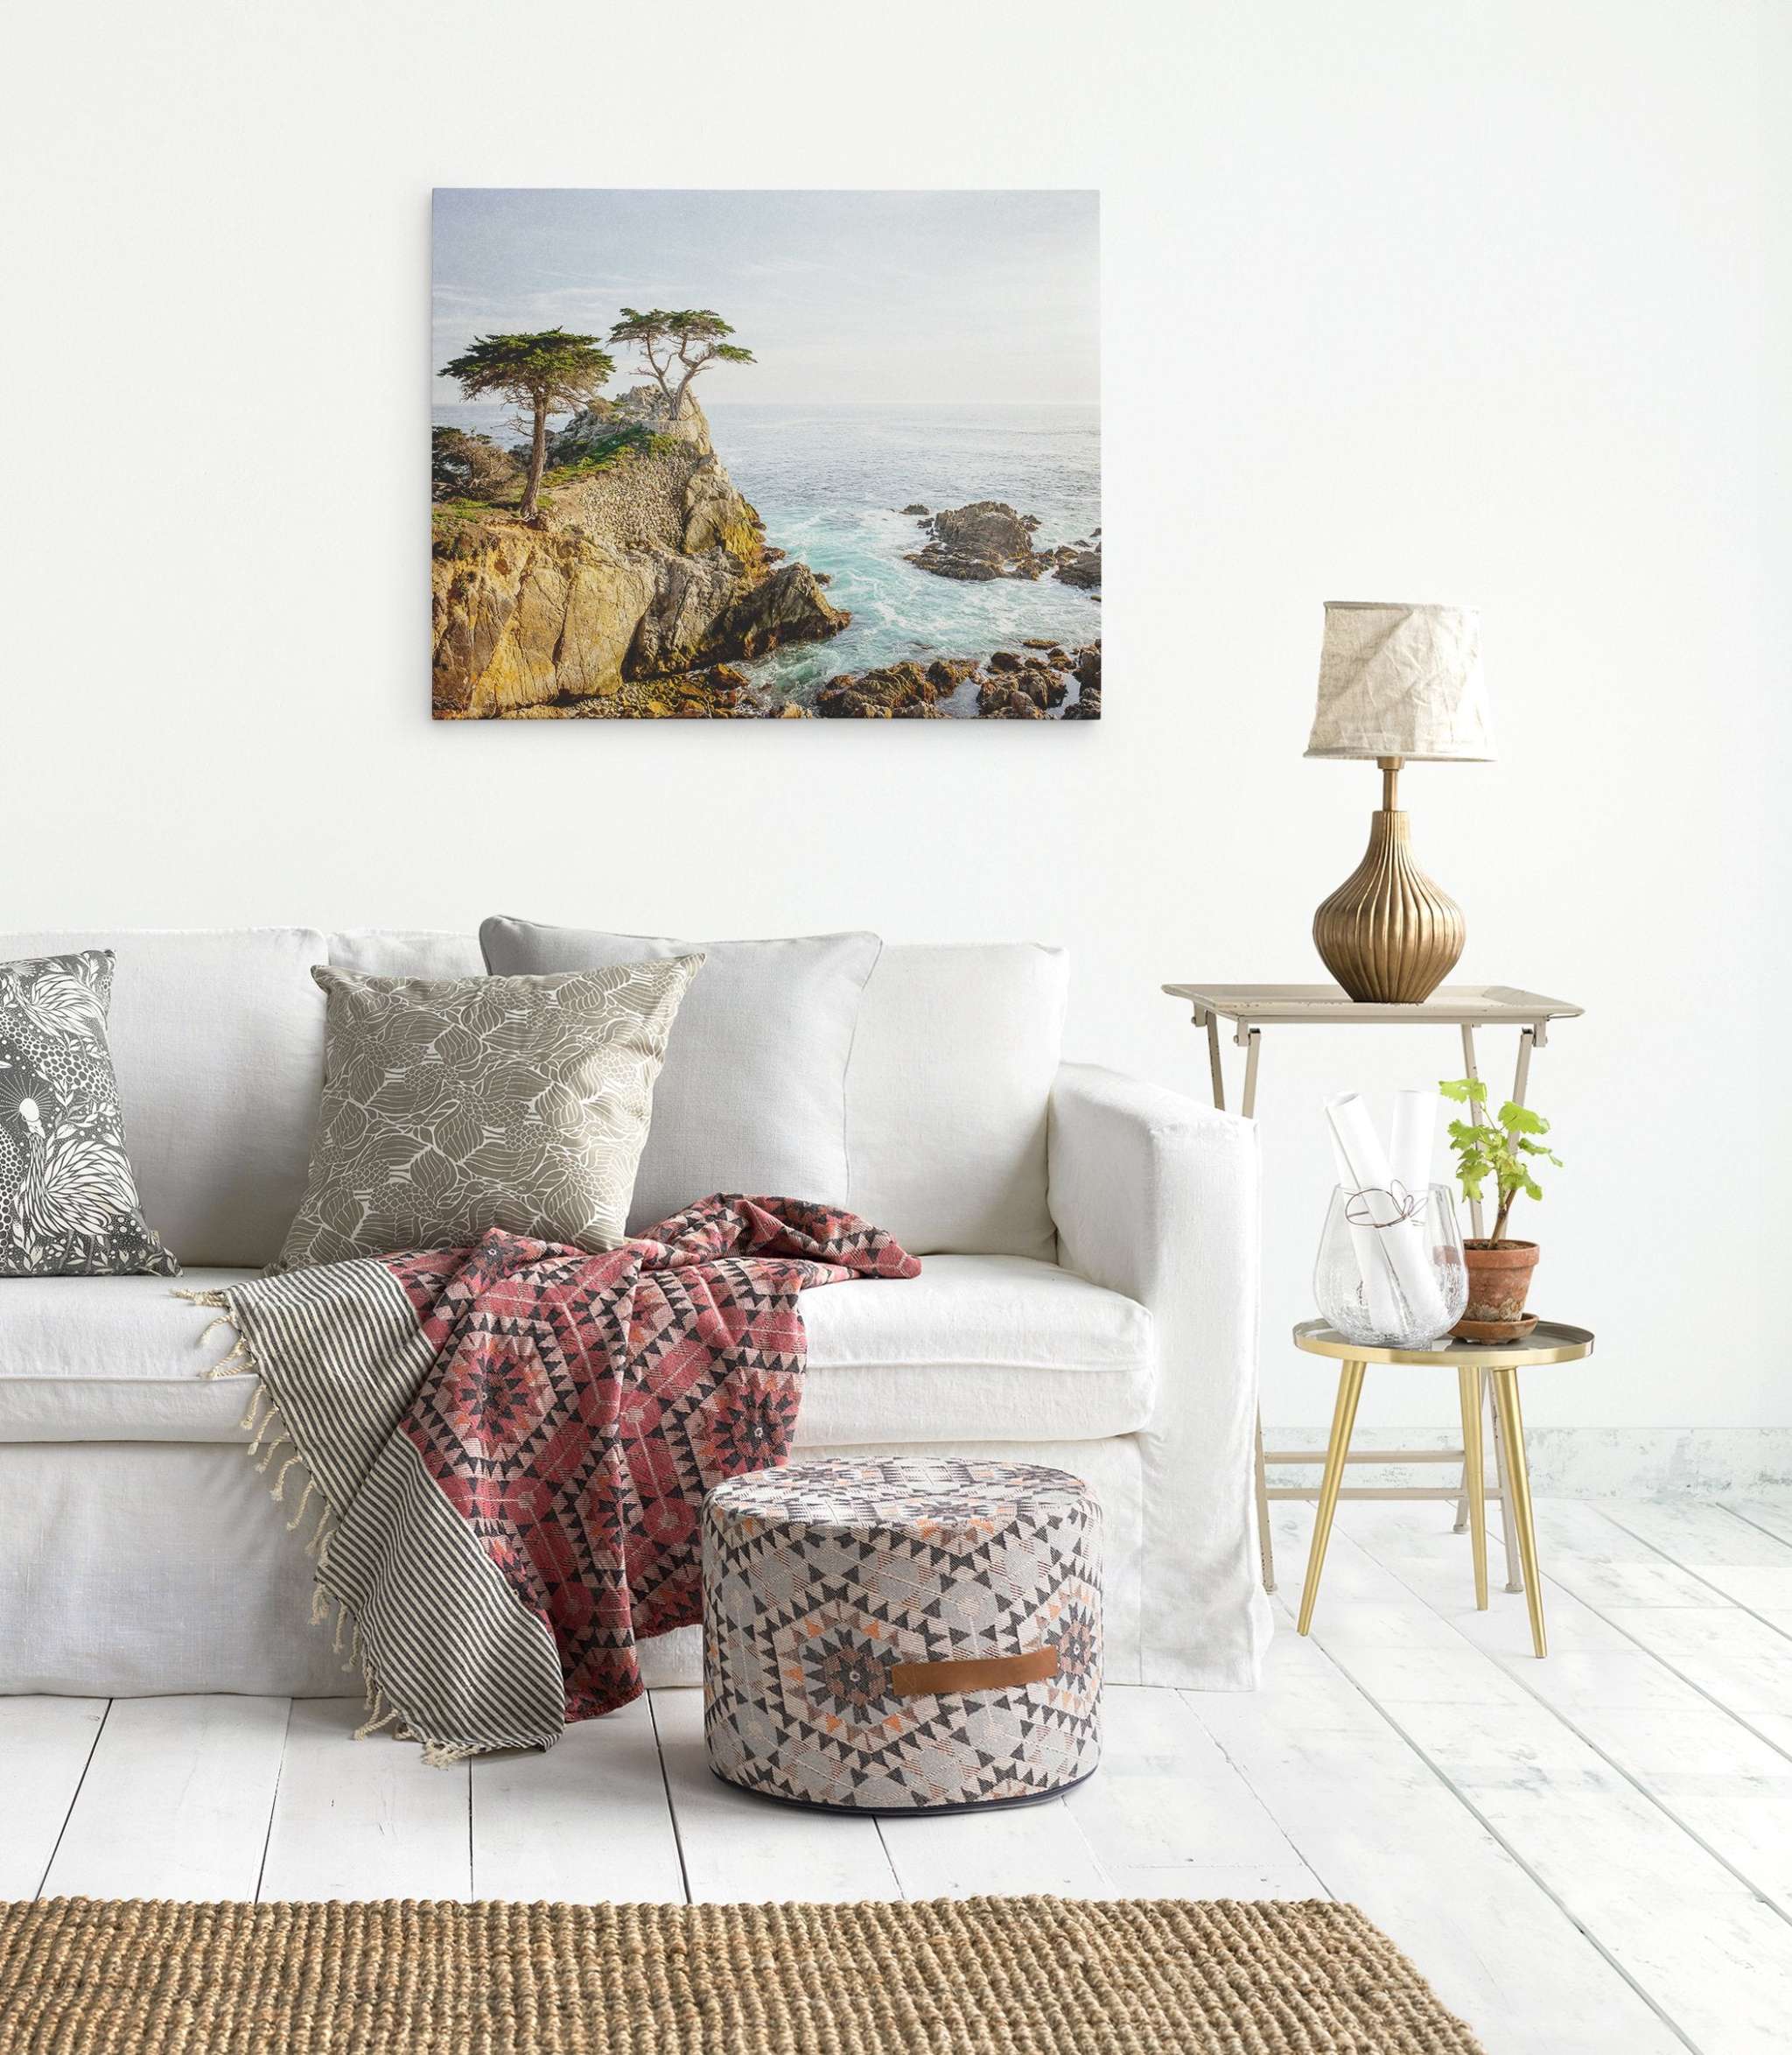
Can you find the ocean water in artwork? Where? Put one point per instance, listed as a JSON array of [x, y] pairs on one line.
[[830, 483]]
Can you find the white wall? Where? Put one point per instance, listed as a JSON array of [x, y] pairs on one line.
[[1403, 300]]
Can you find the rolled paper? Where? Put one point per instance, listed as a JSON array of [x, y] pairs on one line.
[[1402, 1252], [1378, 1299], [1409, 1154], [1410, 1159]]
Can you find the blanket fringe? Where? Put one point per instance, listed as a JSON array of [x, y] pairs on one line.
[[260, 1416], [303, 1497], [442, 1755], [236, 1364]]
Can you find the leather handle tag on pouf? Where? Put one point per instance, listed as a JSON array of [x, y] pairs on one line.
[[993, 1672]]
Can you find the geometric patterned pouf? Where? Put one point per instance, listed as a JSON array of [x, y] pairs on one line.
[[909, 1635]]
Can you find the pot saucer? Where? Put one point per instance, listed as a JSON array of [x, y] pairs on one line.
[[1496, 1330]]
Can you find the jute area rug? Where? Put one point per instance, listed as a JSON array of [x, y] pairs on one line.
[[1014, 1976]]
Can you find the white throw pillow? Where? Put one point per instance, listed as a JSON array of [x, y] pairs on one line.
[[950, 1079], [753, 1095]]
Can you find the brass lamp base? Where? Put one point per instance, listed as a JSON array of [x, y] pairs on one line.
[[1387, 933]]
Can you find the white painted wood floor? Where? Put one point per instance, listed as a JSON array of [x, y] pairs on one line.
[[1590, 1853]]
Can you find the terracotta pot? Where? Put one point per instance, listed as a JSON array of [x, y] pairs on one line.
[[1498, 1280]]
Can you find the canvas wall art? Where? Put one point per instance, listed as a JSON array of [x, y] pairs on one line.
[[738, 455]]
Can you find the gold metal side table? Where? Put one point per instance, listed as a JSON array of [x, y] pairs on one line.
[[1251, 1009], [1499, 1362]]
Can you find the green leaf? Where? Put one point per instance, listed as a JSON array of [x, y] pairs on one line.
[[1464, 1090], [1517, 1119]]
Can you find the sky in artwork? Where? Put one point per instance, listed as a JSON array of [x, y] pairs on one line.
[[899, 297]]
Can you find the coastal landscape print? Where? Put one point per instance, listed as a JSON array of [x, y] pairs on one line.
[[777, 455]]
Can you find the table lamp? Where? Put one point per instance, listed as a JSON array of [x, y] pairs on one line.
[[1397, 684]]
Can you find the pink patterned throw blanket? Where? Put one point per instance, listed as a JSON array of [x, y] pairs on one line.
[[500, 1453]]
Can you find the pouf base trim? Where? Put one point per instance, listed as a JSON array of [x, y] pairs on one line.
[[1000, 1805]]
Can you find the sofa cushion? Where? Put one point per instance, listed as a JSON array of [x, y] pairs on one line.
[[947, 1093], [218, 1042], [976, 1348], [753, 1098], [406, 953], [116, 1359]]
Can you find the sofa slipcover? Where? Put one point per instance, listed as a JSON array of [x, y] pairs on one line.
[[137, 1568], [1090, 1300]]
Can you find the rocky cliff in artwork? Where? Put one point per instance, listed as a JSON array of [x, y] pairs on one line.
[[644, 564]]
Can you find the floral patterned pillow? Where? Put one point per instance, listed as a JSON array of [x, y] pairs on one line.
[[68, 1203]]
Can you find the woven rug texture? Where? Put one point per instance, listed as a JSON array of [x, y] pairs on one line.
[[1013, 1976]]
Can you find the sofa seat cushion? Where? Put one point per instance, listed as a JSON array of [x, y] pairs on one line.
[[976, 1348], [114, 1359]]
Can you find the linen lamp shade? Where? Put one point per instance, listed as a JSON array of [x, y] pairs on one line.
[[1401, 681]]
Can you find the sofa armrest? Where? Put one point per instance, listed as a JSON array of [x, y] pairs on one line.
[[1159, 1197]]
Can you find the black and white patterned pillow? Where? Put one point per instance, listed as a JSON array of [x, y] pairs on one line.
[[68, 1203]]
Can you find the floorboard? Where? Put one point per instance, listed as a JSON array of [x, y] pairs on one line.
[[1378, 1825], [44, 1746], [1004, 1852], [736, 1846], [1635, 1844], [1167, 1802], [365, 1819], [587, 1823], [175, 1801], [1771, 1516]]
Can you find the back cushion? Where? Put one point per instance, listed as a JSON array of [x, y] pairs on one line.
[[947, 1094], [218, 1042], [752, 1097], [406, 953]]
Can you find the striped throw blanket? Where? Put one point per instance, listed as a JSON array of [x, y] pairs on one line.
[[500, 1452]]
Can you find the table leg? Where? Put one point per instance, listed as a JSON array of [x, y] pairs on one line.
[[1518, 1511], [1266, 1550], [1468, 1390], [1216, 1070], [1343, 1418], [1265, 1546], [1508, 1526], [1253, 1048]]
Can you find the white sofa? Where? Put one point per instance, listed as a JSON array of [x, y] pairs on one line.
[[1089, 1299]]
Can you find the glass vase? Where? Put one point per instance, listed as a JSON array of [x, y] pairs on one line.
[[1390, 1270]]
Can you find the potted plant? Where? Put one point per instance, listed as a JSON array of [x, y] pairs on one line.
[[1507, 1149]]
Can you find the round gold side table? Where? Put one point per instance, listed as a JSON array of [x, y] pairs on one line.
[[1549, 1342]]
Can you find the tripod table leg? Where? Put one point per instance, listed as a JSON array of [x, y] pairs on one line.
[[1518, 1511], [1343, 1418], [1473, 1479]]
